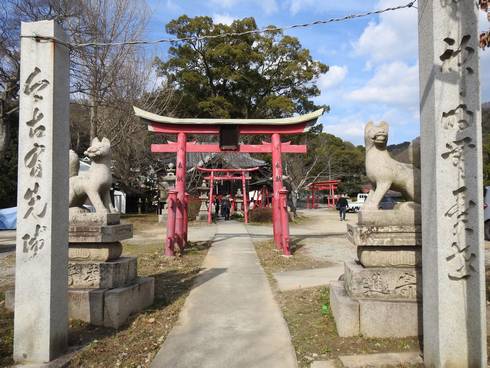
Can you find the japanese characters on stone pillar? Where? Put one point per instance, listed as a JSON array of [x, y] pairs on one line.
[[41, 309], [453, 256]]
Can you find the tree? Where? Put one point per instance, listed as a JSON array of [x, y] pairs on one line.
[[105, 80], [328, 157], [251, 76], [99, 71]]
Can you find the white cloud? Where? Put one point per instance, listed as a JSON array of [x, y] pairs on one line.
[[296, 6], [484, 22], [393, 37], [347, 127], [335, 75], [173, 7], [224, 3], [223, 18], [268, 6], [394, 83], [484, 75]]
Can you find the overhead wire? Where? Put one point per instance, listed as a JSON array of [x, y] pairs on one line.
[[42, 38]]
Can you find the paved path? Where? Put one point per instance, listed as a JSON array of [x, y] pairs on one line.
[[230, 319]]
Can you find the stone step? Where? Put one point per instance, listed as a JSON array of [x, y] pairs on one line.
[[99, 234], [404, 283], [96, 274], [111, 307], [104, 307], [374, 318], [383, 256], [381, 360], [94, 251], [392, 236], [92, 218]]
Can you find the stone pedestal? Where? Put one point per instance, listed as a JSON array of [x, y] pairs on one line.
[[203, 210], [381, 292], [104, 288], [239, 201]]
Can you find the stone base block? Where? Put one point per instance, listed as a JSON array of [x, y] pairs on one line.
[[374, 318], [202, 216], [391, 236], [120, 303], [382, 318], [94, 251], [345, 310], [10, 299], [405, 213], [99, 234], [382, 283], [110, 307], [93, 274], [87, 305], [82, 218], [390, 256]]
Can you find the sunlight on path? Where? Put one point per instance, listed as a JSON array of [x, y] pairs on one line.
[[230, 319]]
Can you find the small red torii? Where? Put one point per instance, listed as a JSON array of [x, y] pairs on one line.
[[242, 177], [229, 131], [329, 185]]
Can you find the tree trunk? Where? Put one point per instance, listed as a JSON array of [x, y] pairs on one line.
[[93, 120], [4, 128]]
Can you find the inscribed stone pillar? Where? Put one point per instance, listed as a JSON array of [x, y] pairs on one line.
[[452, 206], [41, 279]]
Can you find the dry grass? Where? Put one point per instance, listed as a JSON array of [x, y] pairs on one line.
[[136, 343], [313, 332], [273, 261], [308, 315]]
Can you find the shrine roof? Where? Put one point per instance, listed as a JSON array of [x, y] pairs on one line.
[[308, 119]]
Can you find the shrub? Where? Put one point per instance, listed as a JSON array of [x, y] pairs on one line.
[[193, 208], [261, 215]]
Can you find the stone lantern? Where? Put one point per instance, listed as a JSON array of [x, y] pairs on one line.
[[239, 201], [167, 182], [203, 210]]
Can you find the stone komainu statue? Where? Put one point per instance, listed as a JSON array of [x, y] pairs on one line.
[[96, 183], [384, 172]]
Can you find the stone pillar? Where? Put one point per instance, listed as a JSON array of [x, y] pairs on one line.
[[452, 205], [41, 304]]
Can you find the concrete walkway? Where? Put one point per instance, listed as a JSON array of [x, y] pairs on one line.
[[230, 319]]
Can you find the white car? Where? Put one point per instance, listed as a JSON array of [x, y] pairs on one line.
[[356, 206]]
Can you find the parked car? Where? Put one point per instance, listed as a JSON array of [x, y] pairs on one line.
[[356, 206], [387, 203]]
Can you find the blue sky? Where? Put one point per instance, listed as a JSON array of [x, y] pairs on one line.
[[373, 61]]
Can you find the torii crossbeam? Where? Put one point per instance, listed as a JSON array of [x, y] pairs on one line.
[[229, 131]]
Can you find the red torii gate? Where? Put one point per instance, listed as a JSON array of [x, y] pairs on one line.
[[229, 131], [329, 185], [212, 178]]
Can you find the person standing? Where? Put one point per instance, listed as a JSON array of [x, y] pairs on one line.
[[225, 205], [216, 206], [343, 204]]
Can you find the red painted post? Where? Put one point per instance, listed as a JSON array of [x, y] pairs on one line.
[[284, 221], [245, 202], [171, 205], [210, 206], [277, 186], [186, 217], [180, 187]]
